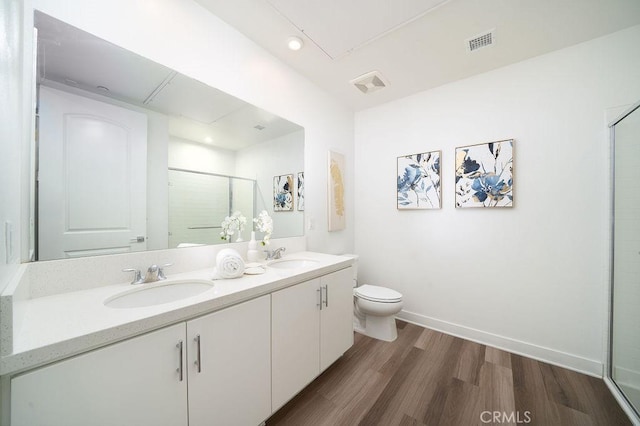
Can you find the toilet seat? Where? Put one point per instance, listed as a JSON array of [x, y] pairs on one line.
[[377, 294]]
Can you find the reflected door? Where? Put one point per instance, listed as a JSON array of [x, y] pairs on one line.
[[625, 329], [92, 177]]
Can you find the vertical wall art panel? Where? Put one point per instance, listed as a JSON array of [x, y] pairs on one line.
[[300, 191], [283, 193], [484, 175], [336, 191], [419, 181]]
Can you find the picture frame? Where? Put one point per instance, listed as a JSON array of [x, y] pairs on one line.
[[283, 193], [300, 198], [484, 175], [335, 192], [419, 181]]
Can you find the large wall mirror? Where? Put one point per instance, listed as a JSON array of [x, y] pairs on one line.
[[130, 155]]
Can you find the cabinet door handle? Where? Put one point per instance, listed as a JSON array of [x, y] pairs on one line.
[[320, 291], [198, 358], [180, 370], [326, 296]]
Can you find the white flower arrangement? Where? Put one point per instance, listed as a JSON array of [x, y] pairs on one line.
[[264, 223], [231, 224]]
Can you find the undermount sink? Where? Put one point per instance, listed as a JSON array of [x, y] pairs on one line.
[[158, 293], [292, 263]]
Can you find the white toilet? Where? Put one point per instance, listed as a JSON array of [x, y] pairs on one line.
[[374, 309]]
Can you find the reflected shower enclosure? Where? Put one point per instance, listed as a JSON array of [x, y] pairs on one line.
[[199, 202]]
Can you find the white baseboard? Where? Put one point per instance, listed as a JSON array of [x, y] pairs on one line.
[[540, 353]]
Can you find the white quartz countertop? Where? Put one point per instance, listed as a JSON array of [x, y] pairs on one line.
[[62, 325]]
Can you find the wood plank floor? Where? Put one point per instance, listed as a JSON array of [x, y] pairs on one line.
[[429, 378]]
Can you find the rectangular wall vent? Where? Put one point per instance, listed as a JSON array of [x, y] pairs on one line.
[[483, 40]]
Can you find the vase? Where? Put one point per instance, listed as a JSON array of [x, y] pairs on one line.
[[253, 255], [239, 239]]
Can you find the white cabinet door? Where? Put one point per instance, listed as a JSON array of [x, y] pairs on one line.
[[230, 365], [91, 177], [135, 382], [295, 330], [336, 316]]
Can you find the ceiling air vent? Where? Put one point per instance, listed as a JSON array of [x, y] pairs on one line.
[[369, 82], [482, 40]]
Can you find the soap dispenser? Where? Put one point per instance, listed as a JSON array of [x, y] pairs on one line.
[[253, 255]]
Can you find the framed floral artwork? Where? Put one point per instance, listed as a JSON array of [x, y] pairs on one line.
[[419, 181], [300, 191], [283, 193], [335, 191], [484, 175]]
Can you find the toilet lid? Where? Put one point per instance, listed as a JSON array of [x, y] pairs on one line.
[[378, 294]]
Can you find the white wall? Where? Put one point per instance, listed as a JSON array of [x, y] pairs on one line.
[[191, 155], [531, 278], [11, 132], [14, 152], [182, 35], [157, 181]]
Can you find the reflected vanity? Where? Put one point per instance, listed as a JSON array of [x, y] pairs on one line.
[[131, 155]]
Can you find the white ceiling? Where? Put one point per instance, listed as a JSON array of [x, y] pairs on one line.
[[415, 44], [372, 18], [71, 57]]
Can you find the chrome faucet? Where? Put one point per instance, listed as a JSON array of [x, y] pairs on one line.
[[275, 254], [154, 273]]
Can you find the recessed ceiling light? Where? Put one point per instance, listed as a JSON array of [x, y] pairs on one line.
[[208, 139], [294, 43]]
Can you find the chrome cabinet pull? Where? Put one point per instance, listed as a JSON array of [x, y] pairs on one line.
[[198, 359], [180, 370], [320, 291], [326, 296]]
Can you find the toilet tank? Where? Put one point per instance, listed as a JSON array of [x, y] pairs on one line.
[[354, 267]]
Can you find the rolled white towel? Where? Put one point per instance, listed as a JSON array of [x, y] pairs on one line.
[[229, 264]]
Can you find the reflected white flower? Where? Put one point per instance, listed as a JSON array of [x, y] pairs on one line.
[[264, 223], [231, 224]]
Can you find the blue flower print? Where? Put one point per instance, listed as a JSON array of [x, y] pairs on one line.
[[484, 175], [409, 180], [489, 186], [418, 181]]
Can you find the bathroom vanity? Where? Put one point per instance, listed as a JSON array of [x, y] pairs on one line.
[[233, 354]]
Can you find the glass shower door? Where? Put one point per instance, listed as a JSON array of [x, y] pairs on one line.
[[625, 317]]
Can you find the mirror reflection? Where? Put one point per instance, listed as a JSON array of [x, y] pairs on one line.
[[131, 155], [199, 202]]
